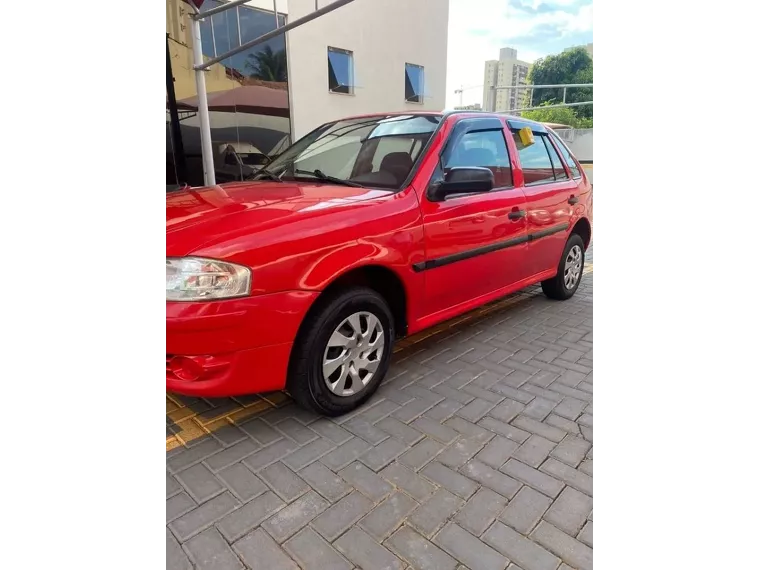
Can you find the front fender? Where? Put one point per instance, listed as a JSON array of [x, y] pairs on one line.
[[397, 256]]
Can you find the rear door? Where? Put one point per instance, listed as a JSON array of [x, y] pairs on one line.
[[475, 243], [550, 193]]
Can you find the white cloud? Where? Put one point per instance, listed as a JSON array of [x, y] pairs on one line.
[[477, 29]]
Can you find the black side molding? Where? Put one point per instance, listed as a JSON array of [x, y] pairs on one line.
[[448, 259]]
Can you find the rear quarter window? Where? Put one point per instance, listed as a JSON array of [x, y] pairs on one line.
[[573, 168]]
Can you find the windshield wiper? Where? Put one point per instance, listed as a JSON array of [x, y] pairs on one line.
[[264, 173], [321, 176]]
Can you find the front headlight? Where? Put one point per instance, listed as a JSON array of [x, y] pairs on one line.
[[197, 279]]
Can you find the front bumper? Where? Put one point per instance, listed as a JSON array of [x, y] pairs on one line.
[[235, 346]]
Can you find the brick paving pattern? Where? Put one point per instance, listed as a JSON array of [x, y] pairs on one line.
[[476, 453]]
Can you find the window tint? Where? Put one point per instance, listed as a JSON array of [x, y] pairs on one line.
[[414, 82], [536, 163], [486, 149], [573, 168], [558, 167], [340, 70]]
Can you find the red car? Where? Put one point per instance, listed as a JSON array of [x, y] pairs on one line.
[[366, 230]]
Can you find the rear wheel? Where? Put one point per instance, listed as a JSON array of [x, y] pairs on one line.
[[342, 353], [569, 274]]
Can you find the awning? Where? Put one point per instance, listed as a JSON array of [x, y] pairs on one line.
[[253, 99]]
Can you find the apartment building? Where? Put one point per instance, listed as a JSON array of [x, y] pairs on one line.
[[507, 70]]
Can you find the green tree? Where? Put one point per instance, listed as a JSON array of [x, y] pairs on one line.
[[268, 65], [573, 66], [561, 115]]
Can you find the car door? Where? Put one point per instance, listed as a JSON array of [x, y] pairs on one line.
[[550, 193], [475, 243]]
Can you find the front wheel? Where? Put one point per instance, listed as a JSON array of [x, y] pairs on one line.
[[569, 274], [342, 353]]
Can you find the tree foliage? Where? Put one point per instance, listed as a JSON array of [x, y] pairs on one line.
[[268, 65], [573, 66], [560, 115]]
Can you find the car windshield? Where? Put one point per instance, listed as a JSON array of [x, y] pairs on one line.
[[375, 151]]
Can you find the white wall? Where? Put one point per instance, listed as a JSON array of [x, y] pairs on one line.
[[383, 35], [579, 141]]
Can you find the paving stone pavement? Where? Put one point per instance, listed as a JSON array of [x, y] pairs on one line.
[[476, 453]]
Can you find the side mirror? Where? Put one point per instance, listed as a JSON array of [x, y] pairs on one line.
[[464, 180]]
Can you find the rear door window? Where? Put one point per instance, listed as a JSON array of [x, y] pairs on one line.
[[536, 162]]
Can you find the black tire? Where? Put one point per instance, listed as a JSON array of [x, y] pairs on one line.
[[556, 288], [306, 382]]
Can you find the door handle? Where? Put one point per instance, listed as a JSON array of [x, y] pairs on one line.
[[573, 200], [517, 214]]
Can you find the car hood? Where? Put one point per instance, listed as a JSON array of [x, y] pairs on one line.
[[199, 217]]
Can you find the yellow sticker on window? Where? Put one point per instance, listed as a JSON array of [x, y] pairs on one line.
[[526, 136]]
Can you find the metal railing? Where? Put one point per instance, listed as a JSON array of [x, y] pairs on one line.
[[564, 86]]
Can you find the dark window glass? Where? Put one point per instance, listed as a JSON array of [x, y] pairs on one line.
[[486, 149], [225, 33], [414, 83], [258, 67], [206, 36], [573, 168], [231, 28], [340, 70], [266, 61], [168, 171], [558, 167], [536, 163]]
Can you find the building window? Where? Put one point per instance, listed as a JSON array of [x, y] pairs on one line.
[[340, 62], [414, 83], [222, 32]]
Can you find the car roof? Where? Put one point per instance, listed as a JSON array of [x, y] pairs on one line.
[[445, 114], [393, 114]]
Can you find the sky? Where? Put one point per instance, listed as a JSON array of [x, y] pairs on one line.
[[477, 29]]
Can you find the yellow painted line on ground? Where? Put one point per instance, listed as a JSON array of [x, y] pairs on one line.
[[190, 424]]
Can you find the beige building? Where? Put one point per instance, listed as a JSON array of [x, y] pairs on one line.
[[388, 55], [507, 70]]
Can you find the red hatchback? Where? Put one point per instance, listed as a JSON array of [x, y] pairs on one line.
[[366, 230]]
